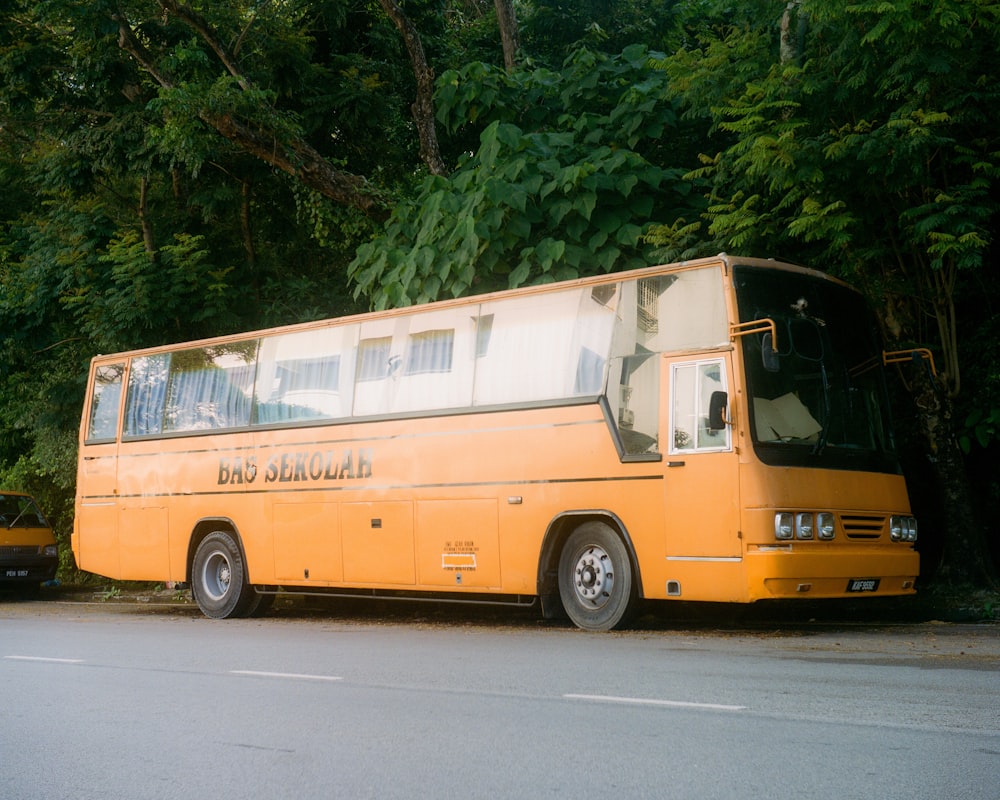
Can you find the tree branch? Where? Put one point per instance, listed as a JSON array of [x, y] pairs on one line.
[[200, 25], [295, 157]]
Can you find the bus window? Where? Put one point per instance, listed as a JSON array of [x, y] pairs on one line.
[[544, 347], [685, 311], [634, 399], [437, 361], [147, 383], [209, 387], [691, 388], [431, 351], [107, 392], [305, 376], [373, 358]]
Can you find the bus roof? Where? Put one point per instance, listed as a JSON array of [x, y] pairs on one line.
[[722, 259]]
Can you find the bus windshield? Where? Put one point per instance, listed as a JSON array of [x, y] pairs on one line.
[[816, 388]]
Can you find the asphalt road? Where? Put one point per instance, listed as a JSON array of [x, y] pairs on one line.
[[138, 700]]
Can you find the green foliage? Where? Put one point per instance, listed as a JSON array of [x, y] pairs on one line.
[[565, 192], [982, 427], [875, 145], [553, 29]]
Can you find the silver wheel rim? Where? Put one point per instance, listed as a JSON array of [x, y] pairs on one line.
[[216, 575], [593, 576]]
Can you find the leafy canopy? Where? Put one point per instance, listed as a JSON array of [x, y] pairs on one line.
[[561, 185]]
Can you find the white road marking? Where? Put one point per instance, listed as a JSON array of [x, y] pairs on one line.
[[293, 675], [640, 701], [45, 660]]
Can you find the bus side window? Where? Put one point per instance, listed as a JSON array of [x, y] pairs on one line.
[[210, 387], [106, 397], [147, 382], [305, 376]]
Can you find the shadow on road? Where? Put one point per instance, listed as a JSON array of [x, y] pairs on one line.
[[656, 616]]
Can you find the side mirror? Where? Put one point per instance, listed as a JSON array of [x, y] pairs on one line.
[[768, 355], [717, 405]]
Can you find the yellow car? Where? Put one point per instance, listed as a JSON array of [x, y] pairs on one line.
[[28, 551]]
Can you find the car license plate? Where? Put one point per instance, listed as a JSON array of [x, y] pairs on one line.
[[863, 585], [17, 573]]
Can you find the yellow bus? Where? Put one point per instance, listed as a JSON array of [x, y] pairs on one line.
[[714, 430]]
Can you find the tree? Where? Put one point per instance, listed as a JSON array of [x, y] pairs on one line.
[[245, 116], [560, 186], [876, 156]]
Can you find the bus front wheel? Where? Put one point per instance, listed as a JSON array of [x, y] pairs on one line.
[[595, 578], [218, 579]]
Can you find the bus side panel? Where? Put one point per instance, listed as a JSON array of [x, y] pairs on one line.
[[143, 541], [95, 535], [95, 540], [721, 581], [458, 543], [378, 542], [307, 542]]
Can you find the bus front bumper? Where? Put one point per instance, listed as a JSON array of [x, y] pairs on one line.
[[783, 573]]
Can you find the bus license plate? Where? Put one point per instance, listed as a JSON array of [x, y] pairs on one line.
[[863, 585], [17, 573]]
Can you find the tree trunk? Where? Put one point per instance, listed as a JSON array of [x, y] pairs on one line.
[[925, 311], [509, 35], [793, 32], [965, 557], [423, 106], [300, 160]]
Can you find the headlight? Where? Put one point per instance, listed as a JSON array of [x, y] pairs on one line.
[[804, 526], [902, 529], [50, 550], [784, 525], [825, 526]]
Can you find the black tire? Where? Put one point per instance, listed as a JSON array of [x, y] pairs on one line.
[[218, 577], [596, 584]]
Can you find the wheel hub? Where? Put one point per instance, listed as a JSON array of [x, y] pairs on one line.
[[217, 574], [594, 576]]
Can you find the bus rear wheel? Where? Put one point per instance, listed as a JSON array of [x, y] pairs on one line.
[[218, 579], [596, 584]]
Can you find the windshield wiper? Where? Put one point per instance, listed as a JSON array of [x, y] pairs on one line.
[[21, 513]]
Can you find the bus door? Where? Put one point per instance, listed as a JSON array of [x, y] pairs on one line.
[[97, 489], [701, 472]]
